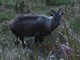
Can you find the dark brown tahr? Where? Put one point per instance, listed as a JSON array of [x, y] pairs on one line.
[[37, 26]]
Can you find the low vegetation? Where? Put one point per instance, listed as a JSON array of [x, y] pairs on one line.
[[64, 42]]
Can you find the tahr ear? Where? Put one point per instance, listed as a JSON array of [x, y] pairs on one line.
[[59, 10], [53, 12]]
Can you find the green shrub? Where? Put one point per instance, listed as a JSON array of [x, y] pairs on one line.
[[75, 23], [59, 2], [7, 15]]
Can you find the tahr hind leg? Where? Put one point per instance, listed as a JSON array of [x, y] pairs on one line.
[[23, 43], [17, 41]]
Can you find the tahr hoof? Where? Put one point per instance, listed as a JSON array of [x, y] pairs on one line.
[[24, 46], [16, 42]]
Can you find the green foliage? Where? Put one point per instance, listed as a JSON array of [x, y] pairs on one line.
[[59, 2], [62, 34], [72, 39], [19, 7], [7, 15], [5, 35], [75, 23]]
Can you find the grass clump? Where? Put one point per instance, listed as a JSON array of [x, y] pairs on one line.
[[75, 23], [59, 2], [6, 15]]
